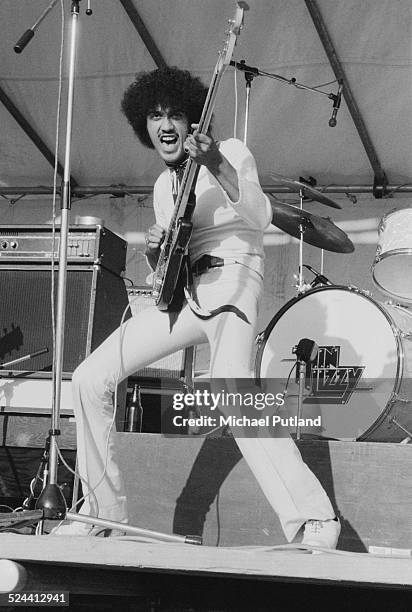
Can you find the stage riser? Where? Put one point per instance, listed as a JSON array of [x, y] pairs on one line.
[[369, 484]]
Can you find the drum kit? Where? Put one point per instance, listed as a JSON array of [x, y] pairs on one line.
[[357, 384]]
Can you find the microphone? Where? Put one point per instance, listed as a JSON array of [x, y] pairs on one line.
[[23, 41], [25, 38], [319, 278], [336, 104], [306, 350]]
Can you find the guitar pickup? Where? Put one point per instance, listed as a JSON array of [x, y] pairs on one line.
[[183, 234]]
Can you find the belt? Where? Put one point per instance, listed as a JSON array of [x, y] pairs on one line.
[[205, 263]]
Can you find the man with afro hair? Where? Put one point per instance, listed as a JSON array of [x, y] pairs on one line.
[[226, 253]]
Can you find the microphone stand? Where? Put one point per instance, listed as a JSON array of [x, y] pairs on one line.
[[249, 76], [292, 81], [51, 499], [51, 503], [306, 352], [301, 365], [250, 73]]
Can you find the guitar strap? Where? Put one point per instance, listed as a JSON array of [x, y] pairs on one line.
[[184, 286], [203, 313]]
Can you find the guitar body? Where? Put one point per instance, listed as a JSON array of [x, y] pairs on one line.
[[170, 264], [176, 243]]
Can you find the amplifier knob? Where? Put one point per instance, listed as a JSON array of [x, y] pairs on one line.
[[4, 244]]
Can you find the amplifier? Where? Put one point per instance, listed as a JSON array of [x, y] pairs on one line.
[[178, 365], [96, 299], [87, 244]]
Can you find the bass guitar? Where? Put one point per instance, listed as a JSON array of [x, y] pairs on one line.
[[175, 245]]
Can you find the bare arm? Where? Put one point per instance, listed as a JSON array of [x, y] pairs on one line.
[[204, 151]]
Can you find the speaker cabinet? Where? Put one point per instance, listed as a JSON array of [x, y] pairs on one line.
[[96, 299]]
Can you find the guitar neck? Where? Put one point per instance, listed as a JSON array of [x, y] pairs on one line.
[[177, 238], [191, 172]]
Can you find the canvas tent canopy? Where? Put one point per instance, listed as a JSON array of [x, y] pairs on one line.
[[364, 162], [367, 44]]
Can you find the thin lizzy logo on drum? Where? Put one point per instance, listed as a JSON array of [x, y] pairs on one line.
[[330, 382]]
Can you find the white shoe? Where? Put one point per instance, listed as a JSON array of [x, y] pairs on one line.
[[75, 528], [324, 534]]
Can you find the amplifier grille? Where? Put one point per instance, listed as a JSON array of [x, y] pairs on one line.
[[95, 302]]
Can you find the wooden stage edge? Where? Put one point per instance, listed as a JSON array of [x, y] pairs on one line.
[[63, 563], [204, 486]]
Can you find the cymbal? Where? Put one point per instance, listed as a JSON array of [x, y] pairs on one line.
[[317, 231], [307, 190]]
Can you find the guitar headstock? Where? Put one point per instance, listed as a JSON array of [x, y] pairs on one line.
[[235, 25]]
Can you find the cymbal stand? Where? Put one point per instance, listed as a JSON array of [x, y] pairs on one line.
[[51, 503], [301, 282]]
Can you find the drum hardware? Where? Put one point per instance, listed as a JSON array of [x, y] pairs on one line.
[[259, 338], [402, 428], [307, 227], [319, 279], [317, 231], [303, 225], [358, 290], [396, 398], [306, 189], [382, 222]]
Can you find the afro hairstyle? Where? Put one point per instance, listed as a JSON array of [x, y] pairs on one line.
[[168, 87]]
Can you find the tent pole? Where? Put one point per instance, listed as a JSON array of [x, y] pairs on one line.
[[123, 190], [380, 183]]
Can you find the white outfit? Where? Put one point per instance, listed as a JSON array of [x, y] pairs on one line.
[[232, 231]]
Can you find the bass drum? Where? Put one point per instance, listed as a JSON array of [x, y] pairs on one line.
[[359, 386]]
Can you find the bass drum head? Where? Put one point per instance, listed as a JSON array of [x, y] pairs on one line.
[[357, 368]]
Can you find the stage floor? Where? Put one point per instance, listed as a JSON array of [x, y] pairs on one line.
[[265, 562]]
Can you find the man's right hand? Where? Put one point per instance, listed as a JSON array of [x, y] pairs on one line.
[[154, 237]]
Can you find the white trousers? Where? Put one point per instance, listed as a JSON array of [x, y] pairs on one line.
[[289, 485]]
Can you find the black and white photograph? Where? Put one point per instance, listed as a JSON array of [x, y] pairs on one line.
[[206, 305]]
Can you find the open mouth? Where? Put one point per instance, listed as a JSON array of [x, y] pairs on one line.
[[169, 139]]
